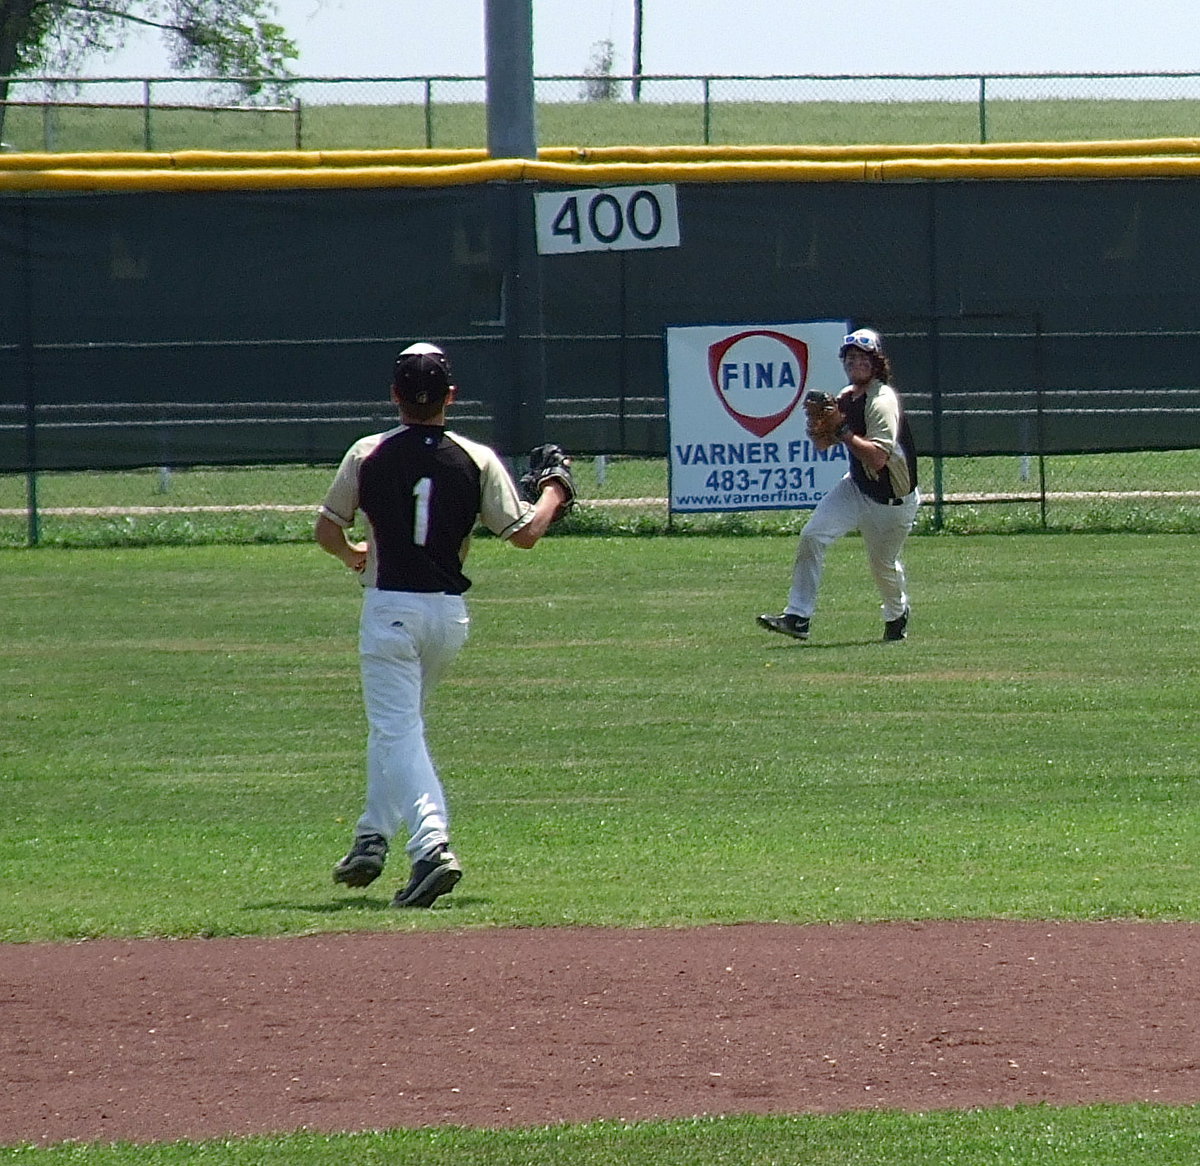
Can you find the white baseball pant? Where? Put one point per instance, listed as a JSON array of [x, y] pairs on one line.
[[883, 528], [407, 641]]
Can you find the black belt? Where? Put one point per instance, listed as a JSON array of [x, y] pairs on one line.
[[889, 501]]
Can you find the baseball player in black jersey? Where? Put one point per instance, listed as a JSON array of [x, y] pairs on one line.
[[421, 489], [878, 496]]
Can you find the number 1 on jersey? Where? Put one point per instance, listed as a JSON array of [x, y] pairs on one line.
[[423, 493]]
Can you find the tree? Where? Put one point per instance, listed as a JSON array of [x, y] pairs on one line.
[[599, 83], [235, 38]]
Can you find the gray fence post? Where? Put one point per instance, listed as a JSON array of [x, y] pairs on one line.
[[50, 126], [1039, 376], [147, 132], [935, 355], [27, 356]]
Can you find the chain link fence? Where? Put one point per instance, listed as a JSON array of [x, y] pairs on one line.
[[68, 114]]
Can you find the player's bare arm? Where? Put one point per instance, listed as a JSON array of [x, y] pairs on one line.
[[332, 539], [553, 496]]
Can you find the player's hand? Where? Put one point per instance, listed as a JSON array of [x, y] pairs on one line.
[[356, 557]]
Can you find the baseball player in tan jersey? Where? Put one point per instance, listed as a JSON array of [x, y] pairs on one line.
[[878, 496], [421, 489]]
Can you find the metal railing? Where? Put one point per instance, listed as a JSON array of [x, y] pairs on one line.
[[51, 110], [60, 113]]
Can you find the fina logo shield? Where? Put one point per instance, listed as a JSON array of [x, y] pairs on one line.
[[758, 377]]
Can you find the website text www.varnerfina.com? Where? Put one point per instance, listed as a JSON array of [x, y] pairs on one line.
[[775, 499]]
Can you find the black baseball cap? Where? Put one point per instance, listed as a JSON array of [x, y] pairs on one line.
[[422, 375]]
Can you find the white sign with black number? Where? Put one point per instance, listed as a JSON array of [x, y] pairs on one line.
[[616, 218]]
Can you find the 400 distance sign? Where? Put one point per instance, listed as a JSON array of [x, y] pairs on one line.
[[615, 218]]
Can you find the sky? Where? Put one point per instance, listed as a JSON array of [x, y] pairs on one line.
[[401, 38]]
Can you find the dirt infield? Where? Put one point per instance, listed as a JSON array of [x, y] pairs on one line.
[[145, 1041]]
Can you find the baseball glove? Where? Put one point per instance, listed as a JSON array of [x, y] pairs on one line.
[[549, 463], [826, 422]]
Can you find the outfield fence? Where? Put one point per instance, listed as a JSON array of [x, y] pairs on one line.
[[1141, 492], [66, 113], [229, 328], [1036, 307]]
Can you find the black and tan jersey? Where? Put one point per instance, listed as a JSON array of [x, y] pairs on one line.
[[422, 489], [878, 415]]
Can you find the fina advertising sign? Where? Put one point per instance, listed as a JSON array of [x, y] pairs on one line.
[[737, 431]]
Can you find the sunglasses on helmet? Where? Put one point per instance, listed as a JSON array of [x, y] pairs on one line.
[[863, 339]]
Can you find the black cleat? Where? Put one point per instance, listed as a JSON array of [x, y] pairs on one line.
[[896, 629], [364, 864], [432, 877], [786, 624]]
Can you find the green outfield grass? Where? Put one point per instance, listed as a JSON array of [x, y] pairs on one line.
[[454, 125], [1028, 1136], [1042, 764]]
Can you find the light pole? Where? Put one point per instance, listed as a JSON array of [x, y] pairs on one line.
[[508, 31]]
